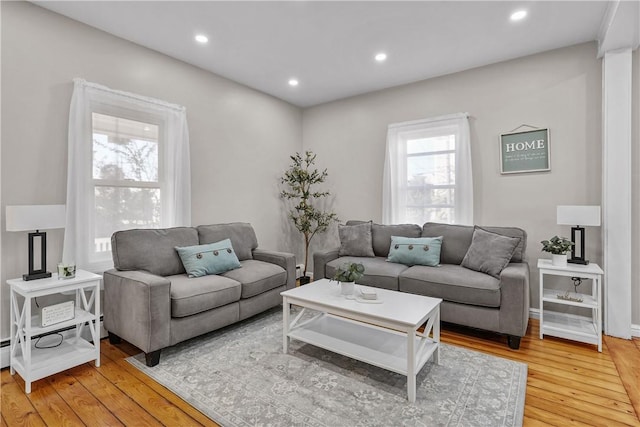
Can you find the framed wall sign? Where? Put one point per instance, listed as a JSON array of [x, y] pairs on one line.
[[526, 151]]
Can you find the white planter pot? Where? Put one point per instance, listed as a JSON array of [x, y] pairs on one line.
[[559, 260], [347, 288]]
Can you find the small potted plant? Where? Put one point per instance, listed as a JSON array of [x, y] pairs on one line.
[[558, 248], [346, 275]]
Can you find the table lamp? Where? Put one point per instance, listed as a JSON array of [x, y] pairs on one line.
[[579, 217], [36, 217]]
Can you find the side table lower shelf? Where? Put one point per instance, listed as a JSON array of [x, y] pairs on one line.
[[48, 361], [573, 328]]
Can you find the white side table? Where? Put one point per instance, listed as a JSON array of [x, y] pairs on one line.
[[572, 327], [35, 363]]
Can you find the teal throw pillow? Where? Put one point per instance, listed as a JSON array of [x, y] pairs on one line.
[[415, 250], [214, 258]]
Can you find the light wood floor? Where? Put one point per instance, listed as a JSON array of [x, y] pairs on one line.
[[569, 384]]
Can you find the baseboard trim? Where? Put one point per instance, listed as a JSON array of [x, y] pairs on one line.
[[534, 313], [635, 331], [5, 347]]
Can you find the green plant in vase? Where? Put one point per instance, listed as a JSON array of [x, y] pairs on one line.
[[349, 272], [558, 248], [346, 275]]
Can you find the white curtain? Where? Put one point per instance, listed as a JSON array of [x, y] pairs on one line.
[[175, 190], [394, 190]]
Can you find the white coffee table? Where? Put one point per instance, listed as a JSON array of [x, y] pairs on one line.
[[382, 334]]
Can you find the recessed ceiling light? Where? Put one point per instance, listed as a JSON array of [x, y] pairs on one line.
[[293, 82], [381, 57], [201, 38], [518, 15]]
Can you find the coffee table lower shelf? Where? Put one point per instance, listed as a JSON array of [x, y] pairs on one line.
[[371, 344]]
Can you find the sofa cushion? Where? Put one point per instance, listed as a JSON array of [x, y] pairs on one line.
[[519, 252], [151, 250], [489, 252], [415, 251], [452, 283], [355, 240], [382, 236], [195, 295], [257, 277], [378, 271], [214, 258], [242, 236], [456, 240]]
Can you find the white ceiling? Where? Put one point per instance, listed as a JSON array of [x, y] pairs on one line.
[[329, 45]]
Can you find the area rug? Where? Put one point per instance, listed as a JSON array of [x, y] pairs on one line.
[[238, 376]]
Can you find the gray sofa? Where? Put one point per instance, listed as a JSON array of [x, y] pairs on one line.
[[470, 298], [152, 303]]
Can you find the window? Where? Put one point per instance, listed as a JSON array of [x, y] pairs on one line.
[[128, 168], [427, 174], [126, 177]]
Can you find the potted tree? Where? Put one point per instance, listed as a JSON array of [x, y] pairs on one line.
[[302, 179], [558, 248], [346, 275]]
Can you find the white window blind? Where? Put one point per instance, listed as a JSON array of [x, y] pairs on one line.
[[427, 174]]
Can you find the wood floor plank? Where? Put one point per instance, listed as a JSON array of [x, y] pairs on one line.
[[87, 407], [120, 405], [578, 394], [531, 411], [626, 356], [567, 371], [116, 354], [589, 409], [52, 408], [169, 395], [553, 380], [552, 403], [17, 410], [152, 402], [533, 422]]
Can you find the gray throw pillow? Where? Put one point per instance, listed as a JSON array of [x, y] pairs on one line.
[[356, 240], [489, 252]]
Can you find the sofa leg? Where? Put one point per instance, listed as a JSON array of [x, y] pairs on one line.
[[513, 341], [152, 358], [114, 339]]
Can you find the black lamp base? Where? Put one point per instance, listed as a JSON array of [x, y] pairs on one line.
[[40, 273], [36, 276], [578, 261], [575, 259]]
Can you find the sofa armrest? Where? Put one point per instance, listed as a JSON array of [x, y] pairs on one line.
[[320, 260], [137, 308], [283, 259], [514, 305]]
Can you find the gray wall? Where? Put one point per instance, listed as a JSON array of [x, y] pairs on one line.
[[240, 138], [560, 89]]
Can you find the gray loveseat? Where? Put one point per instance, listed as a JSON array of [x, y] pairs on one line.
[[152, 303], [470, 298]]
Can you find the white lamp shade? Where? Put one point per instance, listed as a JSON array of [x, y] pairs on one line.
[[579, 215], [35, 217]]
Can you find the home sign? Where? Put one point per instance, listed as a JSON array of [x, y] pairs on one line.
[[525, 152]]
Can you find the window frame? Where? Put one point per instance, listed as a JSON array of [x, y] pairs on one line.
[[396, 172], [134, 115]]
